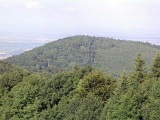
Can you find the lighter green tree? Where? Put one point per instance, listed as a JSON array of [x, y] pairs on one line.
[[139, 70]]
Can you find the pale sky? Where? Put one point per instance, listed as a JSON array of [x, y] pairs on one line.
[[125, 19]]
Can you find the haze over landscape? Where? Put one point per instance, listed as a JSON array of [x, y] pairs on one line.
[[44, 18], [31, 23]]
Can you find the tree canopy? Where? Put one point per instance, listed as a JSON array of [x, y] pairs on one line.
[[84, 93]]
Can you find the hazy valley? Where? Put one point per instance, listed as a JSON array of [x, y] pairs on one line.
[[10, 46]]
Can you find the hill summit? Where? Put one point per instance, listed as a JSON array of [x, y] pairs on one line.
[[107, 54]]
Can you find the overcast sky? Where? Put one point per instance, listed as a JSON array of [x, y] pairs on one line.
[[125, 19]]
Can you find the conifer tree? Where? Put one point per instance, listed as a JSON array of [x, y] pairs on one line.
[[139, 70], [156, 66]]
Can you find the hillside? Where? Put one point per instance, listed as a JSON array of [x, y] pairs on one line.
[[106, 54]]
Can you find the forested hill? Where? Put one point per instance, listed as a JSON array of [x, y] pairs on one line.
[[106, 54]]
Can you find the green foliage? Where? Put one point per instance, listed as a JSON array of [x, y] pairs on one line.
[[10, 76], [59, 86], [87, 100], [97, 83], [139, 70], [9, 80], [37, 96], [151, 108], [156, 66], [80, 108], [22, 101], [5, 67], [134, 99], [80, 94]]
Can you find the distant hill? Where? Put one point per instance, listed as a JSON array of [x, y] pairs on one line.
[[106, 54]]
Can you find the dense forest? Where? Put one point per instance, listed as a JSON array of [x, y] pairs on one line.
[[106, 54], [83, 93]]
